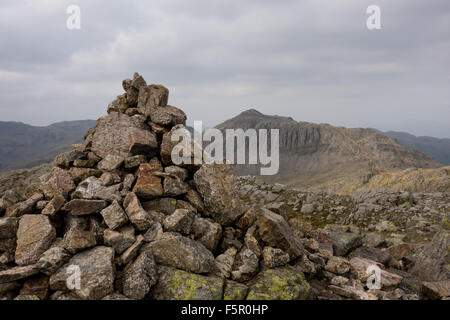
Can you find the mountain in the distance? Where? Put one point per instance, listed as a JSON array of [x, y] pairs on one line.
[[439, 149], [321, 156], [24, 146]]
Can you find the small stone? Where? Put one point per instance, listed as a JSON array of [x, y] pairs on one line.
[[8, 227], [107, 179], [154, 233], [59, 183], [375, 254], [167, 116], [252, 240], [77, 239], [343, 242], [360, 266], [245, 265], [181, 252], [140, 276], [54, 205], [96, 274], [337, 265], [373, 239], [400, 251], [36, 286], [174, 187], [110, 162], [195, 199], [132, 251], [143, 142], [235, 291], [284, 283], [134, 161], [26, 207], [64, 160], [52, 259], [217, 185], [40, 205], [339, 281], [110, 194], [274, 257], [305, 265], [176, 284], [436, 290], [223, 264], [78, 207], [312, 244], [34, 236], [121, 239], [148, 185], [114, 216], [89, 163], [17, 273], [248, 218], [180, 221], [140, 218]]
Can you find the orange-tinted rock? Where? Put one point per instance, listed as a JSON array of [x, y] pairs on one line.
[[148, 185]]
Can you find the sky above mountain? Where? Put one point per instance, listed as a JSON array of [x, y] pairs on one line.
[[313, 60]]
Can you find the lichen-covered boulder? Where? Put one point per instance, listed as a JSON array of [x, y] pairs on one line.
[[285, 283], [275, 232], [174, 284], [235, 291]]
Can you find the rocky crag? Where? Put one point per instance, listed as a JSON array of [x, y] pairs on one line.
[[324, 157], [115, 219]]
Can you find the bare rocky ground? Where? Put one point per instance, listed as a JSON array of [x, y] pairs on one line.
[[115, 219], [408, 233]]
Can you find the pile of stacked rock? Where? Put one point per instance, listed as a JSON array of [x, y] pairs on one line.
[[115, 219]]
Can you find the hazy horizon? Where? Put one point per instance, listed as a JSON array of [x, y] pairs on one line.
[[314, 61]]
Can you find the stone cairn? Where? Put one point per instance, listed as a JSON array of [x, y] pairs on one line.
[[115, 219]]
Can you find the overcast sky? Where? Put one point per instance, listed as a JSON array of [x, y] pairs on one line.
[[313, 60]]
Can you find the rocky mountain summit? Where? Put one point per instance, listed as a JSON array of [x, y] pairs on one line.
[[324, 157], [115, 219]]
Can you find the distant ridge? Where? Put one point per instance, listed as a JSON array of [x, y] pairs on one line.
[[25, 146], [439, 149]]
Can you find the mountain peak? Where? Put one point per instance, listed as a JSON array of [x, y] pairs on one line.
[[251, 112]]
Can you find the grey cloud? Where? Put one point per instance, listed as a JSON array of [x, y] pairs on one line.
[[312, 60]]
